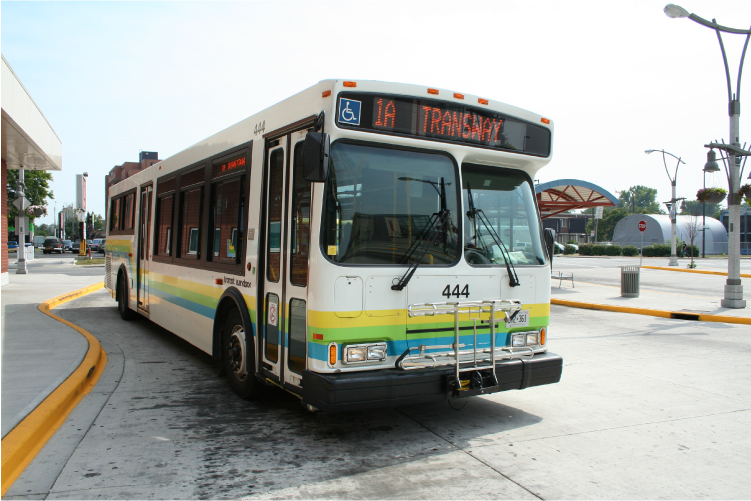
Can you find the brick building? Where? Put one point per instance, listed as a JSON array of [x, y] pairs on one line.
[[124, 171], [29, 143]]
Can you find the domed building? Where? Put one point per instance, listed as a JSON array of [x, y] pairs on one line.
[[659, 230]]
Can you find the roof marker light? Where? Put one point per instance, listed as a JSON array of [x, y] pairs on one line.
[[545, 120], [458, 96], [433, 91], [482, 101], [350, 84], [326, 93]]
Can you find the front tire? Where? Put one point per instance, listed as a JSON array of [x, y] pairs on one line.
[[122, 300], [238, 358]]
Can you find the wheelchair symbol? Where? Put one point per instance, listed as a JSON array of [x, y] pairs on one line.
[[349, 112]]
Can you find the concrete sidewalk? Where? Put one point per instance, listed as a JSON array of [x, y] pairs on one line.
[[650, 302], [38, 352]]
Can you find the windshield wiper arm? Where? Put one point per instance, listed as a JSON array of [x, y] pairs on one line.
[[443, 218], [474, 214]]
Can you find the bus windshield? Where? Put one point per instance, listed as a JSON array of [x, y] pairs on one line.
[[382, 203], [506, 200]]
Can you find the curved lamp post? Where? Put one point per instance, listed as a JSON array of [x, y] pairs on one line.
[[711, 167], [673, 209], [733, 289]]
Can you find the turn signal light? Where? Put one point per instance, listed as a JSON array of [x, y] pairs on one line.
[[543, 333], [332, 354], [350, 84]]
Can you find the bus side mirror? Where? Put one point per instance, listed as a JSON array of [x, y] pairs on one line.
[[549, 239], [316, 157]]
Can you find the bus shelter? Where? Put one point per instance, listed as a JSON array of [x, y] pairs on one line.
[[564, 195]]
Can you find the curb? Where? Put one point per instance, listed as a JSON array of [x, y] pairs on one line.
[[681, 315], [21, 445], [704, 272]]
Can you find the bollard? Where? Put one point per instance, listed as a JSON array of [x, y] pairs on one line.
[[630, 281]]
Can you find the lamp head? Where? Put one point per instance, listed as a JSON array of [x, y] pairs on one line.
[[675, 11], [649, 151], [711, 165]]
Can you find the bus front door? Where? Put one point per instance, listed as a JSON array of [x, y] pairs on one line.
[[284, 344], [144, 248]]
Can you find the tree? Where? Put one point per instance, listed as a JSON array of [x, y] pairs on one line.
[[692, 230], [606, 226], [694, 208], [37, 190], [639, 200]]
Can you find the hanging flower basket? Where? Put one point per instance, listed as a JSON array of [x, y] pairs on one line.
[[36, 210], [745, 191], [711, 195]]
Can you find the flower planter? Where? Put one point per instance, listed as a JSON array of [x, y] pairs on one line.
[[38, 212], [715, 198], [745, 191]]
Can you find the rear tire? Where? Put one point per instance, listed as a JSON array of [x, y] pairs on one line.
[[238, 359], [122, 300]]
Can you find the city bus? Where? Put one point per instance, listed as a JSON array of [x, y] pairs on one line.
[[360, 244]]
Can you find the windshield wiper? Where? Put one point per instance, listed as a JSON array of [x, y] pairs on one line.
[[437, 221], [474, 214]]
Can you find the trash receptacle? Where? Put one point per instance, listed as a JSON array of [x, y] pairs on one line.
[[630, 281]]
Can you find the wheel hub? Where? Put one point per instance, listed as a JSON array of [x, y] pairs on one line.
[[236, 353]]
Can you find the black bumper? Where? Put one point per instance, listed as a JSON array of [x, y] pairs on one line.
[[349, 391]]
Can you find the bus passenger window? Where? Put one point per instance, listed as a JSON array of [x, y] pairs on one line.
[[190, 214], [226, 214], [164, 225], [114, 214], [129, 213]]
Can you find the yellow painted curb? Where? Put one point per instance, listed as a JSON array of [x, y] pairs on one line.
[[650, 312], [23, 443], [688, 270]]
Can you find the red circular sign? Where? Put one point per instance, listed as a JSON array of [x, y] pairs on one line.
[[642, 226]]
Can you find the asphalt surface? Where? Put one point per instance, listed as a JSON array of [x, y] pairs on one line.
[[647, 408]]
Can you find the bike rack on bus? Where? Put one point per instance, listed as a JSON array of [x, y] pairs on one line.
[[471, 360]]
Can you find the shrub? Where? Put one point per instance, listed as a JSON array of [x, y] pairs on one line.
[[598, 250], [648, 251], [585, 249], [572, 241], [569, 249], [697, 251], [662, 250], [630, 250], [556, 250], [613, 250]]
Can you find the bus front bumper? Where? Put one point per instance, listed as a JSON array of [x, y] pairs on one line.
[[350, 391]]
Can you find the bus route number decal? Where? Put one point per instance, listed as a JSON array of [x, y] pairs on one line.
[[259, 128], [448, 291]]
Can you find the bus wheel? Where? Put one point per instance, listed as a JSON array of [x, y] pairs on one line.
[[237, 357], [122, 300]]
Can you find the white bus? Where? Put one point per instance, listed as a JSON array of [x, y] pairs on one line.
[[361, 244]]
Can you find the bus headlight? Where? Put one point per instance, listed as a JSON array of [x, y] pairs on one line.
[[358, 353], [528, 338], [518, 340], [532, 338]]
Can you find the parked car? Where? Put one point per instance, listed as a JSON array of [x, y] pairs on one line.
[[67, 246], [97, 245], [12, 245], [76, 247], [53, 244], [39, 242]]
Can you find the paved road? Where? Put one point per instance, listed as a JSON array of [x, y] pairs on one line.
[[647, 408]]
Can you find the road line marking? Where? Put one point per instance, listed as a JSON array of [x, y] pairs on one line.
[[654, 313], [21, 445], [705, 272]]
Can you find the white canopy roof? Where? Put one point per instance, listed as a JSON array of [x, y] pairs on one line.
[[659, 230]]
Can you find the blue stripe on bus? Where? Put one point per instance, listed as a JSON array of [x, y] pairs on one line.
[[184, 303]]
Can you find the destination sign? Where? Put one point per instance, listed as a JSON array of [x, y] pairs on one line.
[[433, 119], [231, 164]]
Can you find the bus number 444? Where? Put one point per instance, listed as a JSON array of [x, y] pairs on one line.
[[448, 291]]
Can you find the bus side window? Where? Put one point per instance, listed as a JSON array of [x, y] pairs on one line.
[[191, 209], [114, 214], [300, 221], [165, 202]]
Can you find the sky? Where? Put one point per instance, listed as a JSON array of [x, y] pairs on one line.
[[616, 78]]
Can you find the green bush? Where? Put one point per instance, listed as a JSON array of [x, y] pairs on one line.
[[598, 250], [585, 249], [569, 249], [662, 250], [697, 251], [613, 250], [630, 250], [572, 241], [648, 251], [556, 250]]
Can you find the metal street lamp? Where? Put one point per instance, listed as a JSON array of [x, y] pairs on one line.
[[710, 166], [733, 289], [673, 208]]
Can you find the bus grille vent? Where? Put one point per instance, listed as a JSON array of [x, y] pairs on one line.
[[108, 272]]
